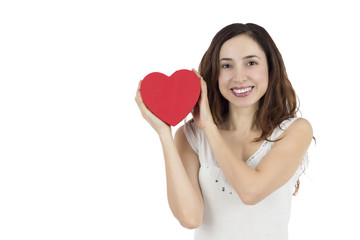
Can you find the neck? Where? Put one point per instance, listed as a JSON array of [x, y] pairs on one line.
[[240, 119]]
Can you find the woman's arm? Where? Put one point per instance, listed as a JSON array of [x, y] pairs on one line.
[[182, 166], [184, 192], [274, 170]]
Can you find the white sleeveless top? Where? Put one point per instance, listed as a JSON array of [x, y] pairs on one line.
[[226, 217]]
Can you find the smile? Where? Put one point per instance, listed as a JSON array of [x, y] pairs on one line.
[[243, 90]]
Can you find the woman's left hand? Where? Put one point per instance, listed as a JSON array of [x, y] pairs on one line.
[[159, 125], [201, 112]]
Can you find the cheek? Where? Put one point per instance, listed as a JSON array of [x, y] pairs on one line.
[[265, 82], [263, 79], [223, 83], [224, 78], [221, 86]]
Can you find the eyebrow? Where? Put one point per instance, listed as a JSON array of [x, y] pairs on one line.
[[225, 59], [246, 57], [251, 56]]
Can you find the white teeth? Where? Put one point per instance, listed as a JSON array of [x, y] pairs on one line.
[[243, 90]]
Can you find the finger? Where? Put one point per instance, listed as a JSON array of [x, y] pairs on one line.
[[139, 85], [196, 72], [143, 108], [195, 110], [138, 97], [202, 81], [203, 86], [140, 102]]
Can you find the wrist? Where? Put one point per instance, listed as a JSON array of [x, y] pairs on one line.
[[164, 132], [211, 127]]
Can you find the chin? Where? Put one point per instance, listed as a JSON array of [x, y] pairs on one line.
[[244, 104]]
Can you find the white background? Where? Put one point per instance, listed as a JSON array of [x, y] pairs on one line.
[[77, 161]]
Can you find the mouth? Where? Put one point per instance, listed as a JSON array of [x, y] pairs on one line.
[[242, 91]]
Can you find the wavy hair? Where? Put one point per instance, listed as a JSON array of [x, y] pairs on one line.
[[279, 101]]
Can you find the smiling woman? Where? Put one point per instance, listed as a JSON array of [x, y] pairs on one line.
[[245, 146], [279, 101], [243, 73]]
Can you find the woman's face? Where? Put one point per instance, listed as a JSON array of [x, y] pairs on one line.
[[243, 77]]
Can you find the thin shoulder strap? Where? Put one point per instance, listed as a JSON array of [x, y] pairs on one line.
[[281, 128], [191, 133]]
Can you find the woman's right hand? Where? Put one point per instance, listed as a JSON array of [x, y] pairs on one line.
[[155, 122], [201, 112]]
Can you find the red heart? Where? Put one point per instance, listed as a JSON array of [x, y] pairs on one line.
[[171, 98]]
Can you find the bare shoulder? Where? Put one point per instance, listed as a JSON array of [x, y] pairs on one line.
[[188, 156], [180, 135], [301, 126], [182, 143], [299, 132]]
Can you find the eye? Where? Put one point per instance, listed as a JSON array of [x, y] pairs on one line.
[[251, 63], [226, 65]]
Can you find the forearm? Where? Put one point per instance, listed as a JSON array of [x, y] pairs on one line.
[[242, 177], [185, 202]]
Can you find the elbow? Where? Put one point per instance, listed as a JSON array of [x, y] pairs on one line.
[[190, 224], [251, 197], [191, 221]]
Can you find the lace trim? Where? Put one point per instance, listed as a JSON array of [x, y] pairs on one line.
[[257, 152]]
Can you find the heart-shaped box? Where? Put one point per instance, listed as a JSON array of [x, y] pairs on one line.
[[171, 98]]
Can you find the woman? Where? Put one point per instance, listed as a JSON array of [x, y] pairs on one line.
[[231, 171]]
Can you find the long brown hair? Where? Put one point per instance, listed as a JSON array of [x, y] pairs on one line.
[[279, 101]]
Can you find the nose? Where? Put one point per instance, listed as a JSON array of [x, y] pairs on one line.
[[240, 75]]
